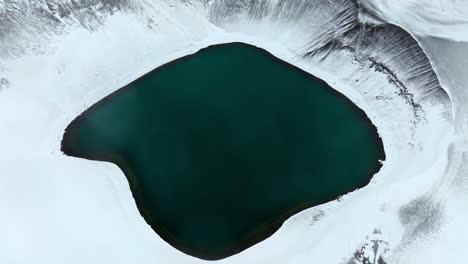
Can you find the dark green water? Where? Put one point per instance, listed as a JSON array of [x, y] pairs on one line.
[[222, 146]]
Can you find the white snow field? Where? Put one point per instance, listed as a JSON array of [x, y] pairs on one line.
[[405, 63]]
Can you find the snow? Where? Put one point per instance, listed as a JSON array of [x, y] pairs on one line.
[[58, 209], [438, 18]]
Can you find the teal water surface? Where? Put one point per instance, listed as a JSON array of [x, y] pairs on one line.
[[220, 147]]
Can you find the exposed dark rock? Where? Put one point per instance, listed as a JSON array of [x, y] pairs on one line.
[[371, 252]]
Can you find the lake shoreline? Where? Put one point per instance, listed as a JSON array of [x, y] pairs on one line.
[[255, 237]]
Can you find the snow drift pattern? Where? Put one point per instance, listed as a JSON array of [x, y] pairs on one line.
[[54, 52]]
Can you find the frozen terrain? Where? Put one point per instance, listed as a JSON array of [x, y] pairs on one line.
[[405, 63]]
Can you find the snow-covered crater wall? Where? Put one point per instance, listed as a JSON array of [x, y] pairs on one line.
[[59, 57]]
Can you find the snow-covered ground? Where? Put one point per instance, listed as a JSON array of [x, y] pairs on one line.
[[60, 57]]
